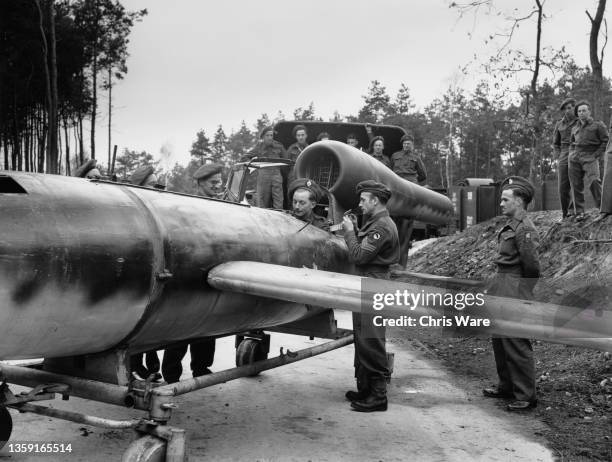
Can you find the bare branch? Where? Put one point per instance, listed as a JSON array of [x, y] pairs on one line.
[[589, 15], [515, 24]]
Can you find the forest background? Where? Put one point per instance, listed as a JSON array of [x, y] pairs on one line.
[[57, 57]]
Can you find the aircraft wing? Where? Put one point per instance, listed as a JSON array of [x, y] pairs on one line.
[[509, 317]]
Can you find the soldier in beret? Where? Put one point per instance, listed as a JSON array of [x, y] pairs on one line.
[[301, 136], [269, 180], [561, 146], [408, 165], [373, 248], [209, 180], [144, 176], [305, 194], [377, 146], [587, 144], [518, 270], [88, 170]]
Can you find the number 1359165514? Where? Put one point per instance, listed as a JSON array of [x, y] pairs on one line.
[[31, 447]]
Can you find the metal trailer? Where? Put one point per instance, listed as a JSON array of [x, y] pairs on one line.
[[156, 440]]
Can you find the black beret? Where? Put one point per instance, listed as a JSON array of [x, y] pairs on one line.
[[85, 168], [371, 186], [265, 130], [322, 135], [305, 183], [581, 103], [298, 127], [520, 185], [407, 137], [206, 171], [141, 174], [567, 101]]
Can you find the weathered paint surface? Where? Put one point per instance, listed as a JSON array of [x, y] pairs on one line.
[[87, 266]]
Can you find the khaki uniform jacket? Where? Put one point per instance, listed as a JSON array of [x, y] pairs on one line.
[[381, 158], [517, 254], [319, 222], [562, 135], [376, 243], [409, 166], [294, 151], [589, 139]]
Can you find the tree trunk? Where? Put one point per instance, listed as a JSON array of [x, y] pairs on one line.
[[94, 80], [537, 110], [47, 78], [596, 60], [110, 113], [80, 131], [53, 112], [6, 154], [449, 156], [67, 143]]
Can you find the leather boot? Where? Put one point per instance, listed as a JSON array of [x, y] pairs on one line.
[[376, 401], [363, 391]]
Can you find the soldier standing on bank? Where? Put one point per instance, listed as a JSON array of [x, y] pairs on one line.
[[518, 270], [587, 144], [372, 248], [305, 194], [561, 147], [269, 180], [202, 351], [408, 165]]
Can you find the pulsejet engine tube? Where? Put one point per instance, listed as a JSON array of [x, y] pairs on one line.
[[339, 167]]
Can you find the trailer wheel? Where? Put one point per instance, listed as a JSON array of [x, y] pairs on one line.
[[6, 426], [146, 449], [249, 351]]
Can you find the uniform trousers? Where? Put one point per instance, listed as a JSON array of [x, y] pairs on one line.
[[269, 188], [202, 357], [404, 231], [565, 188], [584, 173], [606, 193], [370, 362], [514, 356], [151, 361]]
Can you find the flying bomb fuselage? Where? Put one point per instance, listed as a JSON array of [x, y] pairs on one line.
[[90, 266]]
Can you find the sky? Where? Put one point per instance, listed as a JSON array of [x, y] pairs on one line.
[[197, 64]]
